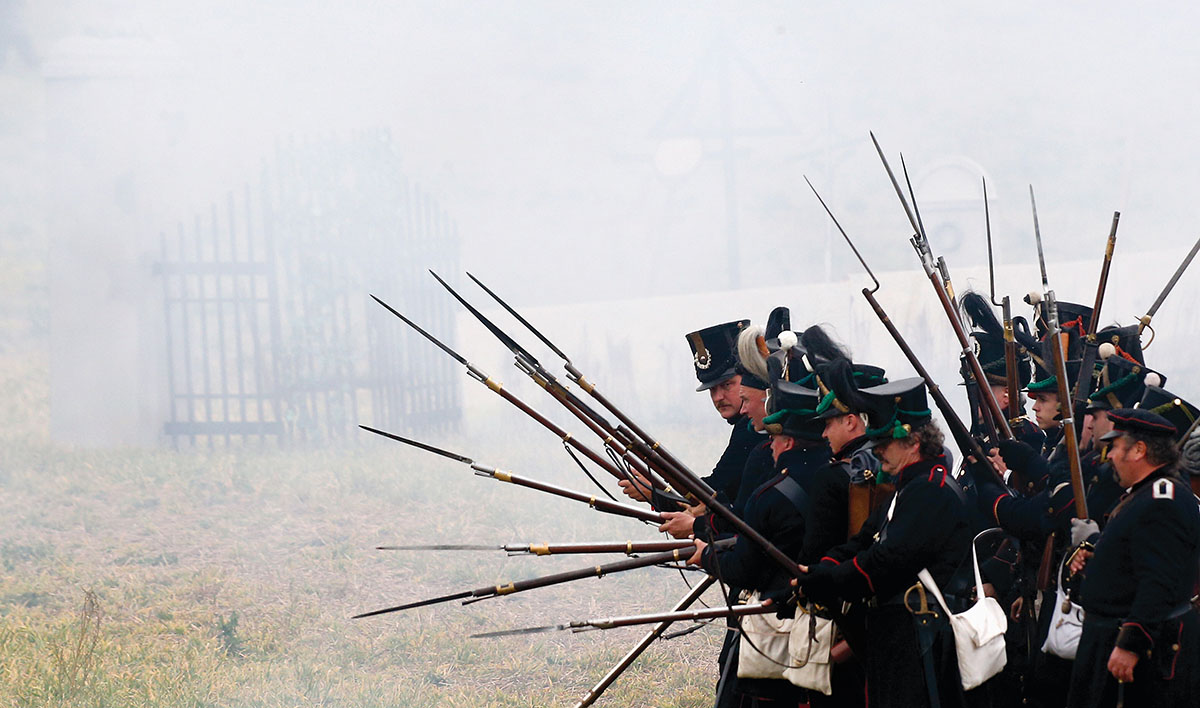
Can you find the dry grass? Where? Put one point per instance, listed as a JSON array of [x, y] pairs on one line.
[[147, 578]]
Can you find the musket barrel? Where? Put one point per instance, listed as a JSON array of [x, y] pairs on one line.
[[757, 608], [626, 547], [605, 505], [1012, 378], [957, 429], [1064, 403]]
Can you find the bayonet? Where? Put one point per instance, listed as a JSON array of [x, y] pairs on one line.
[[1144, 321], [603, 505], [1087, 365], [529, 365], [1012, 378], [708, 613], [700, 491], [958, 430], [996, 421], [629, 548], [1060, 372], [595, 571], [577, 376], [498, 388]]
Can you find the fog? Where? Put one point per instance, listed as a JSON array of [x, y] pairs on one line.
[[198, 199], [587, 153]]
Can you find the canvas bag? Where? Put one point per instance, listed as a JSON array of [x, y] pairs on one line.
[[978, 632], [809, 653], [763, 646], [1066, 623]]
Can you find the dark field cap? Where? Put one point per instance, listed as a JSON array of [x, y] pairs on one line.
[[1182, 414], [714, 352], [1137, 420]]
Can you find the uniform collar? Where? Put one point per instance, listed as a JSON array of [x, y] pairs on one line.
[[920, 468], [850, 448]]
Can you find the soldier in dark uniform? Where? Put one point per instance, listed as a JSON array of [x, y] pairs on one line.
[[790, 509], [1183, 416], [989, 348], [1122, 381], [1141, 635], [715, 359], [759, 465], [714, 355], [844, 411], [924, 526]]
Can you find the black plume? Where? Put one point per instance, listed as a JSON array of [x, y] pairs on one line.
[[779, 320], [979, 312], [820, 346]]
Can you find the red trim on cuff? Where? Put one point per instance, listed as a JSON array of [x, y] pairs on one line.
[[831, 560], [996, 507], [1141, 629], [864, 574]]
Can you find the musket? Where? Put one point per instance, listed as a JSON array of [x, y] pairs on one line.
[[1144, 321], [606, 506], [690, 483], [629, 548], [595, 571], [958, 429], [1087, 364], [632, 655], [1012, 378], [921, 245], [528, 364], [1060, 373], [498, 389], [589, 387], [708, 613]]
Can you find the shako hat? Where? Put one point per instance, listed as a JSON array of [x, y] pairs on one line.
[[714, 352], [791, 407], [989, 342], [839, 382], [1179, 412], [1044, 378], [1121, 381], [896, 408]]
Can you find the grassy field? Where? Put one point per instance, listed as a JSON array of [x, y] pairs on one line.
[[154, 578]]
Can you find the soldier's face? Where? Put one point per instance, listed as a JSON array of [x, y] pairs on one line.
[[781, 444], [840, 430], [1127, 458], [726, 396], [1045, 410], [1000, 393], [754, 405], [1101, 425], [895, 455]]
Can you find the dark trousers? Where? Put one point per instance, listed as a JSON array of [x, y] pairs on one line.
[[1166, 679]]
